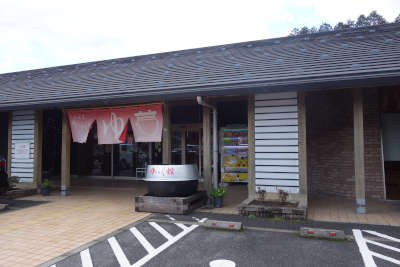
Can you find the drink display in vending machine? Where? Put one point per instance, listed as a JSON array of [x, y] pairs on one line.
[[234, 155]]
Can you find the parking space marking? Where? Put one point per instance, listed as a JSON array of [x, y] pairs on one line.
[[382, 235], [367, 254], [183, 227], [143, 241], [118, 252], [86, 259], [161, 230], [166, 245]]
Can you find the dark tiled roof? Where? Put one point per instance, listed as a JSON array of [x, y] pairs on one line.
[[327, 60]]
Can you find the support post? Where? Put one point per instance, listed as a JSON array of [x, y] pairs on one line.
[[207, 172], [183, 145], [65, 156], [150, 152], [9, 144], [38, 139], [359, 165], [302, 145], [166, 138], [251, 142]]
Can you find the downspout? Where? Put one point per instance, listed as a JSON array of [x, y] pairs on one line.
[[215, 146]]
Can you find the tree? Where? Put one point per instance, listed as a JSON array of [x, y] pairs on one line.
[[304, 30], [375, 19], [362, 21], [397, 20], [325, 27]]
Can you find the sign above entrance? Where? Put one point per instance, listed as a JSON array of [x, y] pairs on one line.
[[112, 123]]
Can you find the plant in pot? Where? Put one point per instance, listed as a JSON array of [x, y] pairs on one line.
[[45, 187], [218, 196]]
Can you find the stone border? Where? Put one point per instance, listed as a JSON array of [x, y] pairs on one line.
[[291, 213], [18, 193]]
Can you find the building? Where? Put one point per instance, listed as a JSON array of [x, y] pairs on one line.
[[322, 113]]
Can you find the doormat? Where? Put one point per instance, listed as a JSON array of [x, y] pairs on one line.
[[19, 204]]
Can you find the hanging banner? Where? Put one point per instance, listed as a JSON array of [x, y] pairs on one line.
[[112, 125], [80, 121], [147, 123]]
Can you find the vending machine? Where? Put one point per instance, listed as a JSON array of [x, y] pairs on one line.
[[234, 155]]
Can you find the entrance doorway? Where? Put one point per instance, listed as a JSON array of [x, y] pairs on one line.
[[187, 146], [186, 139], [51, 151], [127, 160], [390, 112]]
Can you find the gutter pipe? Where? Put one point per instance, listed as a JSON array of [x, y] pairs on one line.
[[201, 102]]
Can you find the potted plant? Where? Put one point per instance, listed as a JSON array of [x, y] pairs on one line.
[[218, 196], [45, 187]]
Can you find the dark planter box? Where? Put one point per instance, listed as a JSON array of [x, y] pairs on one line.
[[170, 205], [17, 193]]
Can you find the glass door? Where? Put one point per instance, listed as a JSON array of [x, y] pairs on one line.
[[187, 147], [192, 147], [130, 160]]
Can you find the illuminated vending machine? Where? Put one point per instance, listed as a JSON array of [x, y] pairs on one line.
[[234, 155]]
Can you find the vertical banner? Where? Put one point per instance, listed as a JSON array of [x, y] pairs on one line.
[[112, 125], [147, 123], [80, 121]]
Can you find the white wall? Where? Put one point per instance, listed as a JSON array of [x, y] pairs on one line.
[[276, 142], [23, 128]]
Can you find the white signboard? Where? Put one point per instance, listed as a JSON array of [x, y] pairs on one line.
[[22, 150]]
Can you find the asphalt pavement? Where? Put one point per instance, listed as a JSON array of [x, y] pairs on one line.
[[178, 240]]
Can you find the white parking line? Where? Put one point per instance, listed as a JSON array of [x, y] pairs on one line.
[[367, 254], [167, 244], [382, 235], [362, 246], [161, 230], [183, 227], [146, 244], [152, 252], [383, 245], [86, 259], [118, 252]]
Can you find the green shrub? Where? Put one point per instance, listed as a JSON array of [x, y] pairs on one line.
[[219, 192]]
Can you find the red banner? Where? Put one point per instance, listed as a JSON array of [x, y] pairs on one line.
[[147, 122], [112, 123], [80, 121]]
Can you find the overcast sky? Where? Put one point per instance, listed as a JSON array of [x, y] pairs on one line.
[[37, 33]]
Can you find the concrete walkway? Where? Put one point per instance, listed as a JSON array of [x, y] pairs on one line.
[[33, 235], [325, 209], [343, 210]]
